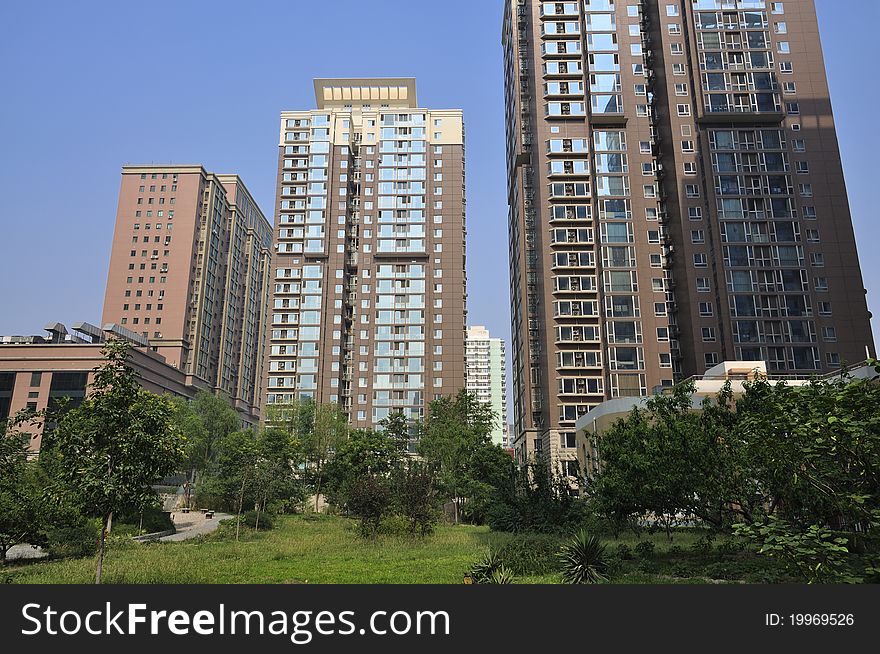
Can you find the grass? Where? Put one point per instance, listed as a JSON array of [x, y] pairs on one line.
[[326, 549]]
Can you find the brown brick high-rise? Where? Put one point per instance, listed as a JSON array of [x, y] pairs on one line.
[[676, 199], [189, 271]]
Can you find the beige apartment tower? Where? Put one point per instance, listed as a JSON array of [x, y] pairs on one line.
[[368, 303], [676, 200], [189, 271]]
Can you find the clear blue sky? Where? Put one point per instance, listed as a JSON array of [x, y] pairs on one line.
[[90, 86]]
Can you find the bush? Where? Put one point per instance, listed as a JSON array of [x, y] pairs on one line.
[[536, 499], [250, 519], [530, 554], [151, 521], [813, 554], [703, 546], [731, 546], [77, 536], [624, 552], [649, 566], [583, 560], [615, 566], [675, 551], [644, 549]]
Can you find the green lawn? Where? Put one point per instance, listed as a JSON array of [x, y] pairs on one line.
[[321, 550]]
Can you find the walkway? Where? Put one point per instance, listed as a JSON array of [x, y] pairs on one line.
[[188, 525], [193, 524]]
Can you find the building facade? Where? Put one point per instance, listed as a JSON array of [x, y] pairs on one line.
[[368, 307], [37, 371], [189, 271], [487, 376], [676, 200]]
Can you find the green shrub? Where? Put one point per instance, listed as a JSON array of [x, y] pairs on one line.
[[731, 546], [262, 522], [814, 554], [624, 552], [530, 554], [703, 546], [615, 566], [77, 536], [395, 525], [644, 549], [583, 560], [151, 521], [649, 566], [675, 551]]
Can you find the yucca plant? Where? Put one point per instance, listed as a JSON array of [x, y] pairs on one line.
[[501, 576], [583, 560], [482, 572]]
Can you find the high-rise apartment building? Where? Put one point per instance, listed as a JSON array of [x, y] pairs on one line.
[[369, 266], [676, 200], [190, 270], [487, 376]]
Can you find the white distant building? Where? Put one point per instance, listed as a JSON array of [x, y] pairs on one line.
[[486, 376]]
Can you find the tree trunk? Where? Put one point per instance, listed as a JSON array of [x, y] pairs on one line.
[[105, 527], [318, 488], [240, 502]]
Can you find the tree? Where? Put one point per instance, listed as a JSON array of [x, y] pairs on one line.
[[328, 433], [413, 486], [229, 481], [808, 455], [455, 434], [366, 452], [21, 514], [277, 474], [204, 421], [118, 442], [673, 462], [400, 428], [369, 499], [816, 449], [534, 498], [296, 419]]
